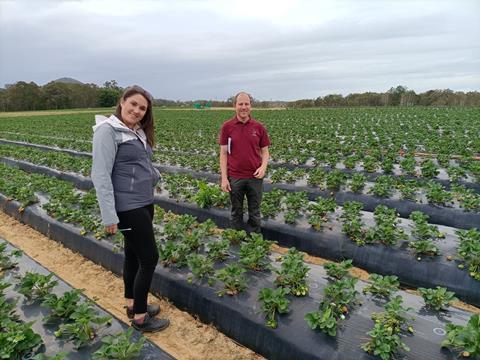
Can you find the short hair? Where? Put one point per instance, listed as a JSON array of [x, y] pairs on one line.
[[240, 93]]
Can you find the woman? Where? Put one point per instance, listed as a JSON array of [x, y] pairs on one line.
[[124, 180]]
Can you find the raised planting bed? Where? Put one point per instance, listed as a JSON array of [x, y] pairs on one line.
[[448, 216], [240, 317], [330, 243], [333, 245], [35, 312]]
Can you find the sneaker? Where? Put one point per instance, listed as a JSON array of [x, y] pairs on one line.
[[152, 310], [151, 324]]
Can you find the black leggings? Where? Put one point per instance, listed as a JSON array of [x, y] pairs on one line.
[[141, 255]]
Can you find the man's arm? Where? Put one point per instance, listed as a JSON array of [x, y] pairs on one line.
[[265, 155], [225, 184]]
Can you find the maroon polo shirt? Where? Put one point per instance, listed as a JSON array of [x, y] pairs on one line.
[[246, 140]]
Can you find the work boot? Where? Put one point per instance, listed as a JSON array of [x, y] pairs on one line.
[[150, 324], [152, 310]]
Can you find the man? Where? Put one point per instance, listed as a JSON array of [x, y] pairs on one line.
[[243, 161]]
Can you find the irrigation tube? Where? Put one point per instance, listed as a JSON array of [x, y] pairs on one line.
[[239, 317]]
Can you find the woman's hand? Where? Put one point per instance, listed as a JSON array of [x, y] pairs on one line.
[[111, 229]]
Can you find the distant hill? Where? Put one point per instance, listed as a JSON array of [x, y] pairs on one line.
[[67, 80]]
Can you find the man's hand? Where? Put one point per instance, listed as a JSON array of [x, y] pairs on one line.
[[226, 185], [111, 229], [260, 172]]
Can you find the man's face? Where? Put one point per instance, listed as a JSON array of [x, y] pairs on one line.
[[243, 107]]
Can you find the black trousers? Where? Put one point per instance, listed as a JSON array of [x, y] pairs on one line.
[[252, 189], [141, 255]]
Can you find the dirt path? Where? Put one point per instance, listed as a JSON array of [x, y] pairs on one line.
[[186, 338]]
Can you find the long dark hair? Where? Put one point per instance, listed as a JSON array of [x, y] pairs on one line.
[[147, 122]]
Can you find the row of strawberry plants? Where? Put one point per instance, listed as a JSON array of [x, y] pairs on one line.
[[385, 186], [186, 233], [373, 136], [64, 201], [73, 207], [428, 169], [75, 321]]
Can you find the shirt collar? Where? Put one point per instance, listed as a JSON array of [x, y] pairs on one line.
[[241, 122]]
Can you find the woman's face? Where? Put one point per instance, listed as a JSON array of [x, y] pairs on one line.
[[133, 109]]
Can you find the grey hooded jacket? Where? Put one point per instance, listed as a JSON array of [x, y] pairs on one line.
[[122, 170]]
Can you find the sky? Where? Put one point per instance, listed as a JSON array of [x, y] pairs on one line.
[[273, 49]]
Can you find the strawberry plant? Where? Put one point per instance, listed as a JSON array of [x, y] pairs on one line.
[[293, 273], [384, 343], [6, 259], [350, 161], [254, 253], [385, 336], [36, 286], [383, 186], [436, 194], [424, 233], [201, 267], [464, 339], [424, 247], [319, 210], [339, 297], [274, 301], [386, 230], [338, 270], [408, 165], [352, 221], [369, 164], [7, 307], [295, 203], [62, 307], [119, 347], [429, 169], [174, 253], [218, 250], [85, 325], [383, 286], [456, 173], [316, 177], [278, 175], [438, 299], [335, 179], [209, 195], [18, 340], [468, 199], [323, 320], [407, 188], [387, 165], [422, 230], [233, 279], [469, 250], [271, 203], [234, 236], [357, 182], [341, 294], [295, 175]]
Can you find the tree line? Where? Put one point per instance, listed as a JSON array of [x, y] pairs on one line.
[[23, 96]]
